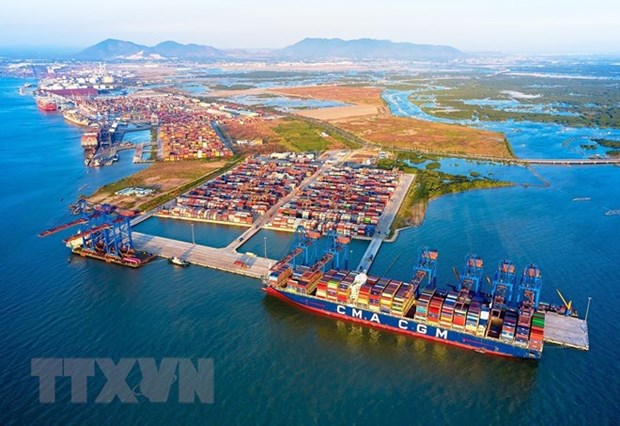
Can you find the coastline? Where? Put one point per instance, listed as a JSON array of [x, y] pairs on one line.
[[191, 219]]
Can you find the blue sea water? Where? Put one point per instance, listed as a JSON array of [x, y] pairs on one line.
[[273, 363]]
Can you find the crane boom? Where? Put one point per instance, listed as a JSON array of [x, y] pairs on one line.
[[59, 228], [567, 304], [87, 233]]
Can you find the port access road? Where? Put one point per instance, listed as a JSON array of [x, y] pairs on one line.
[[385, 221]]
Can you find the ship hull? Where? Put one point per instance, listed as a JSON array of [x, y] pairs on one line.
[[47, 106], [406, 326]]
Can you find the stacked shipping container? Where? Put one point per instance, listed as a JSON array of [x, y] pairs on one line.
[[347, 200], [247, 191]]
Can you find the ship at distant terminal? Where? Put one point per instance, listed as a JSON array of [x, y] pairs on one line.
[[73, 116], [46, 104]]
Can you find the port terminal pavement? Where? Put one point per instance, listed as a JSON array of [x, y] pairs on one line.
[[228, 259]]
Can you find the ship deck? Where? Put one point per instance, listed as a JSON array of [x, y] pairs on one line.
[[566, 331]]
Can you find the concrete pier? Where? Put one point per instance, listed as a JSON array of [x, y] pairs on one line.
[[385, 221], [221, 259], [566, 331]]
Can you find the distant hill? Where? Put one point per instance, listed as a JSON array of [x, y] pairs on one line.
[[365, 48], [112, 49], [172, 49], [307, 49]]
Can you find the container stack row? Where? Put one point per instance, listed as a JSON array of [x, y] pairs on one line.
[[523, 326], [433, 307], [185, 130], [344, 199], [304, 280], [244, 193], [447, 312], [538, 331], [509, 326], [191, 137]]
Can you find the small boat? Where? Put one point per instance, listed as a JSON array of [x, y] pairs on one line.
[[178, 261]]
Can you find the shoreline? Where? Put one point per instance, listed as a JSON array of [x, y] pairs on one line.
[[191, 219]]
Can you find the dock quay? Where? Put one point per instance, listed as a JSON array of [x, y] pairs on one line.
[[221, 259], [385, 221], [140, 151], [566, 331]]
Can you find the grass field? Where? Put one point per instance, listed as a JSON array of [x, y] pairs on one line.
[[346, 94], [409, 134], [288, 134], [298, 136], [165, 177]]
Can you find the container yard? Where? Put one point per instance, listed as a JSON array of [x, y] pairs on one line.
[[503, 318], [190, 136], [245, 193], [348, 200], [184, 127]]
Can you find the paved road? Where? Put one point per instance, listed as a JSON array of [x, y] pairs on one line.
[[385, 221]]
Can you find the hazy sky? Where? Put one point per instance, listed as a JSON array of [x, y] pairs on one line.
[[547, 26]]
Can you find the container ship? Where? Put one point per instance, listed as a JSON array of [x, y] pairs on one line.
[[90, 139], [72, 116], [508, 320], [46, 104]]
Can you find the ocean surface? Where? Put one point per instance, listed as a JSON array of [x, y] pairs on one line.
[[273, 363]]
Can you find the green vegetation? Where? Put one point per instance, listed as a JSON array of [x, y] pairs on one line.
[[589, 147], [587, 102], [163, 198], [433, 166], [305, 135], [415, 158], [614, 153], [607, 143], [430, 184]]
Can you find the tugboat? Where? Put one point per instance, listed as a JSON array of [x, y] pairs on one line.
[[178, 262]]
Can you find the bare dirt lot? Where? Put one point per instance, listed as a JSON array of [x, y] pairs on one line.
[[338, 113], [367, 117], [163, 177], [408, 133], [347, 94]]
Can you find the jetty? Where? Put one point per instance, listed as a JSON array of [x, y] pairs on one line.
[[571, 161], [385, 221], [222, 259], [567, 331]]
